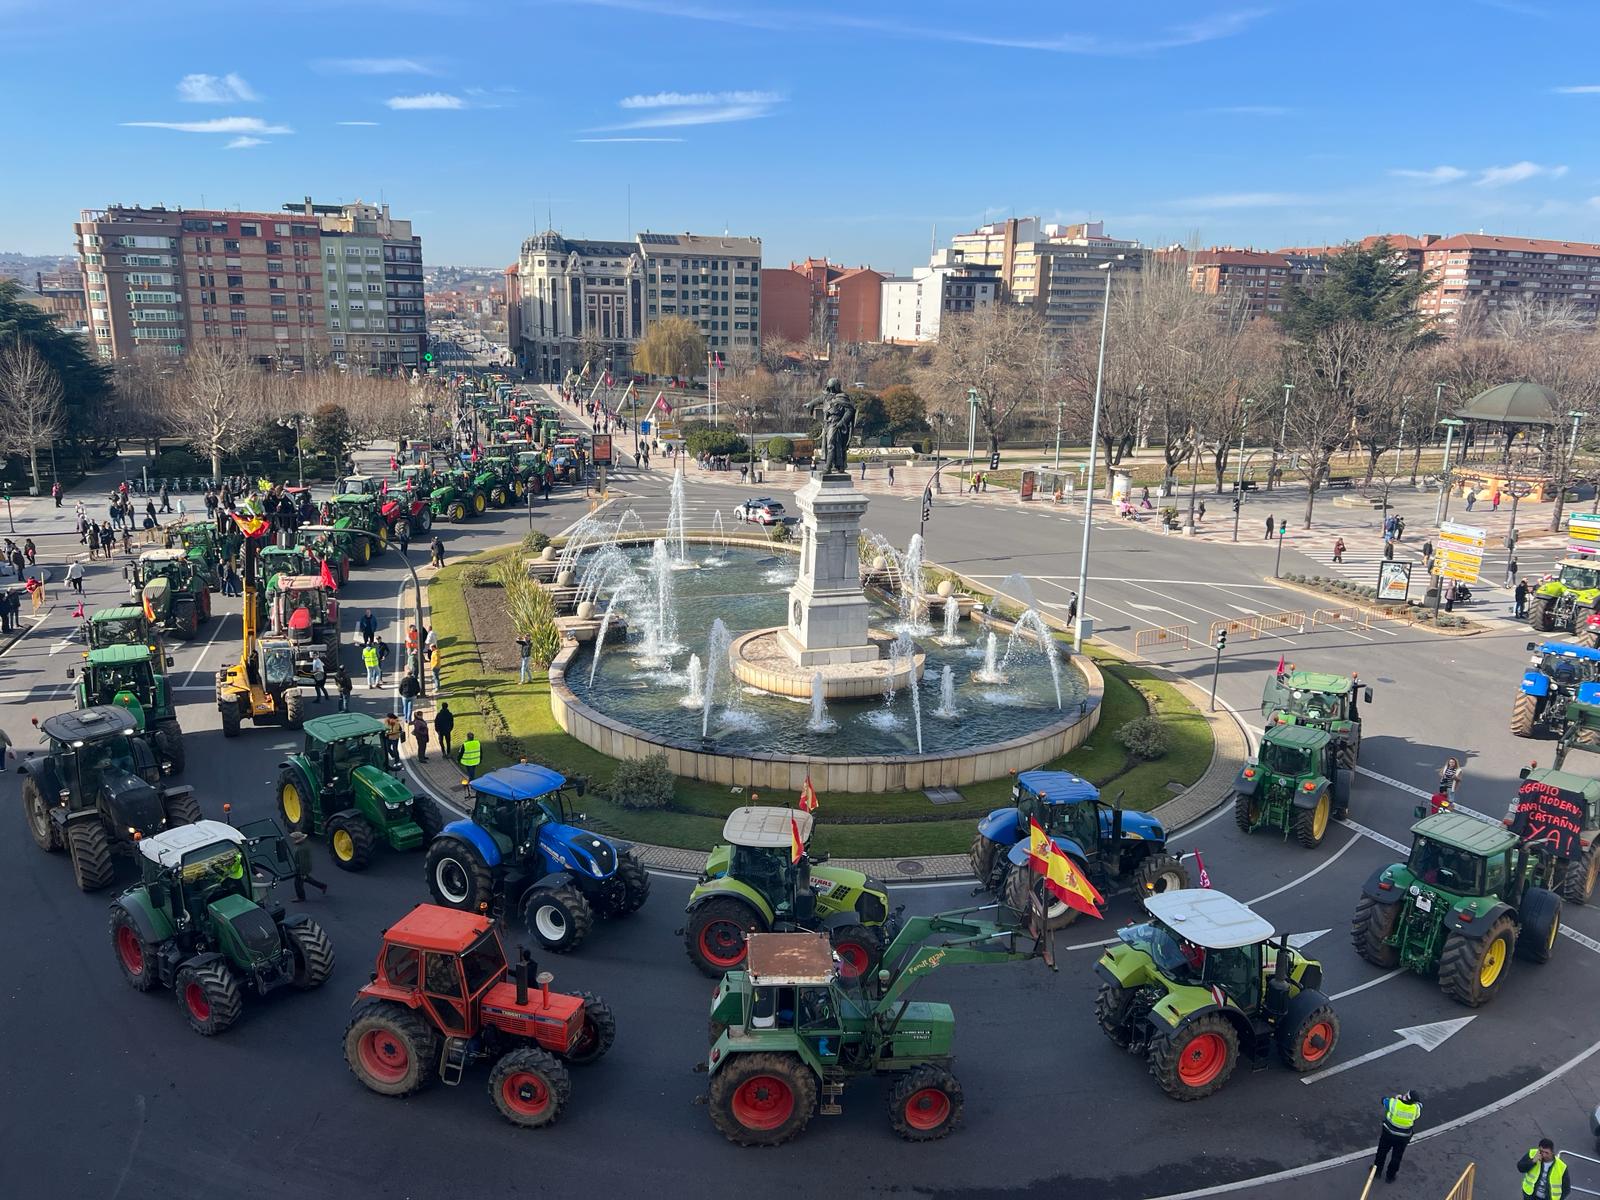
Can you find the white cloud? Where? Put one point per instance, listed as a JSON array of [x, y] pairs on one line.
[[244, 143], [670, 110], [1440, 174], [215, 125], [1518, 173], [1578, 89], [697, 116], [214, 89], [358, 122], [372, 66], [628, 139], [697, 99], [426, 100]]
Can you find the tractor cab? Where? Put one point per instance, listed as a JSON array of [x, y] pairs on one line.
[[1205, 938], [795, 983], [760, 853], [125, 676], [1563, 663], [98, 763], [514, 803], [192, 866], [358, 485], [1295, 752], [1069, 809], [344, 743], [302, 611], [125, 626], [416, 479], [283, 560], [1560, 672], [1314, 698], [153, 565]]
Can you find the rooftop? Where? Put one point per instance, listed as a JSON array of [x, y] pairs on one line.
[[1209, 918], [765, 828], [432, 927], [1484, 241], [168, 847]]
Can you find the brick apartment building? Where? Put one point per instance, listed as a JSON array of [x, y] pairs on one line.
[[1053, 269], [818, 299], [1497, 271], [1257, 275]]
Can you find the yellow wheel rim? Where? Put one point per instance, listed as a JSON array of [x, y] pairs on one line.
[[478, 502], [1555, 928], [344, 846], [1494, 961], [383, 535], [290, 799], [1319, 818]]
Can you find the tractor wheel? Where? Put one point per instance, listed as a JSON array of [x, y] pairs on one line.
[[426, 814], [1311, 824], [980, 856], [1577, 884], [479, 503], [229, 710], [1196, 1059], [1110, 1010], [559, 917], [1524, 711], [425, 519], [598, 1033], [382, 534], [45, 834], [714, 938], [135, 956], [1541, 922], [925, 1104], [331, 644], [1539, 614], [1306, 1044], [349, 840], [169, 745], [1058, 914], [185, 621], [402, 529], [294, 801], [530, 1087], [498, 497], [209, 997], [457, 877], [635, 882], [364, 553], [458, 511], [1160, 873], [91, 855], [1588, 636], [204, 605], [313, 955], [1370, 930], [858, 948], [390, 1048], [1471, 969], [1246, 812], [763, 1099], [294, 709], [182, 809]]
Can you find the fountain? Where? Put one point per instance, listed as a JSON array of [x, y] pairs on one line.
[[820, 721], [659, 621], [947, 695], [717, 643], [904, 649], [675, 520], [1041, 636], [990, 671], [600, 638], [695, 697], [952, 621], [600, 569], [913, 604]]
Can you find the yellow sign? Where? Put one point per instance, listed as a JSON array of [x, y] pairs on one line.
[[1464, 567]]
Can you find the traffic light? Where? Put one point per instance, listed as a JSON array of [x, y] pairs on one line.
[[1222, 640], [994, 460], [927, 504]]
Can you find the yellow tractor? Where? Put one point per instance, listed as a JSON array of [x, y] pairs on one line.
[[263, 685]]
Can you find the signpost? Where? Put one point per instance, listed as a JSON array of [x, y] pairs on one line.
[[602, 449], [1583, 533], [1458, 555]]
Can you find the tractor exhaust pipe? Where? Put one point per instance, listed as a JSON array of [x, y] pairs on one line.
[[524, 966]]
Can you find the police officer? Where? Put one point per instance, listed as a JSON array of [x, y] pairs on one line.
[[1544, 1173], [471, 755], [369, 659], [1400, 1116]]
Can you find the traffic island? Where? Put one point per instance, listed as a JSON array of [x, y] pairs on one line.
[[1352, 603]]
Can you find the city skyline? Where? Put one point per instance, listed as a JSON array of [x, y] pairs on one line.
[[866, 138]]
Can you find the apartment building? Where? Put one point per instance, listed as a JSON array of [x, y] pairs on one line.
[[914, 306], [1052, 268], [786, 304], [855, 307], [372, 281], [1258, 277], [818, 299], [1497, 271]]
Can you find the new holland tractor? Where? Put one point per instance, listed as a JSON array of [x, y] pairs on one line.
[[1113, 847], [133, 677], [1468, 896], [1294, 783], [1560, 673], [443, 997], [262, 686], [1320, 701], [200, 922], [340, 787], [1578, 793], [522, 851], [173, 592], [1568, 600], [1204, 981], [752, 884], [95, 790]]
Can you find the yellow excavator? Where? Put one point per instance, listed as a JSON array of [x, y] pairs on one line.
[[262, 686]]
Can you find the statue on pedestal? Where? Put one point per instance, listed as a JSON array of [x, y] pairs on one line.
[[838, 424]]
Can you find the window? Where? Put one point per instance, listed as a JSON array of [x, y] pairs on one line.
[[230, 246], [280, 229], [219, 227], [249, 229], [235, 297], [194, 225], [274, 268], [235, 280]]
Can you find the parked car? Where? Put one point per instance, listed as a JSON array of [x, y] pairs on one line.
[[765, 511]]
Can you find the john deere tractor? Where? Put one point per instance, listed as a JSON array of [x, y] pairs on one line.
[[263, 685], [319, 545], [95, 789], [1320, 701], [522, 852], [1113, 847], [301, 610], [355, 516], [339, 786], [200, 542], [1577, 792], [1561, 672], [403, 509], [753, 884], [455, 496], [126, 626], [1294, 783], [174, 593], [288, 560], [200, 922], [1467, 896], [1568, 600], [1205, 980], [134, 678]]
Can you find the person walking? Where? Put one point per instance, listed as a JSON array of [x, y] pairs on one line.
[[55, 491], [319, 677], [393, 734], [1399, 528], [1472, 498], [444, 723], [369, 659], [1519, 599], [404, 538], [891, 474], [1494, 500], [232, 585], [75, 576], [94, 541], [524, 653], [1544, 1173], [341, 679], [471, 756], [413, 640], [1388, 550], [367, 627], [1200, 514], [419, 730], [382, 647], [1338, 549], [166, 501], [433, 666], [436, 547], [1269, 527], [302, 867], [1511, 571], [410, 689], [1400, 1116]]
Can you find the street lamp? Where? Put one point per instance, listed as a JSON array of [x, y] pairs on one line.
[[1566, 470], [1442, 509], [1094, 442], [1399, 443], [972, 426], [292, 421], [1283, 433], [1238, 498]]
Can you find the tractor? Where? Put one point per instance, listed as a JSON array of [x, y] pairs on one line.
[[126, 626], [134, 678], [1567, 600], [340, 786], [491, 484], [1112, 847], [512, 479], [1322, 701], [791, 1028], [321, 545], [1561, 672], [96, 789], [353, 517], [443, 997], [417, 479], [521, 852], [200, 922], [262, 686], [1468, 895], [1589, 634], [753, 883], [403, 509], [456, 497], [174, 592], [200, 541], [301, 610], [1294, 783], [1205, 979], [1579, 793], [289, 560]]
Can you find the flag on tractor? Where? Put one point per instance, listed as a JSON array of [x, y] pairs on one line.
[[328, 580], [251, 526], [797, 846], [1280, 665], [1200, 870], [808, 796], [1062, 879]]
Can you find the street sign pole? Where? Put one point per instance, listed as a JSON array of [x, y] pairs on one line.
[[1216, 666]]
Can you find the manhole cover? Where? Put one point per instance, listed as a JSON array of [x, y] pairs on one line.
[[909, 866], [1175, 787], [943, 795]]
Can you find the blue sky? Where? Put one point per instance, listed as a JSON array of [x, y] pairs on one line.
[[850, 130]]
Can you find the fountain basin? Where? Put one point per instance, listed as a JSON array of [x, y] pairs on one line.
[[759, 659]]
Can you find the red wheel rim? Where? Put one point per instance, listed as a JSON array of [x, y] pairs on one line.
[[928, 1108], [722, 944], [1317, 1042], [1202, 1059], [587, 1037], [383, 1055], [130, 950], [763, 1102], [195, 997], [853, 960], [525, 1092]]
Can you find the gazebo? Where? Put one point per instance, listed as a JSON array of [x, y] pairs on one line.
[[1510, 409]]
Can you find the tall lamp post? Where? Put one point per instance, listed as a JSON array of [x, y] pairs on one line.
[[1238, 491], [1442, 509], [972, 427], [1094, 443], [1283, 434], [292, 421], [1566, 470]]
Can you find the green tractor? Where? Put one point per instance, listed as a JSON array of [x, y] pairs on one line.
[[201, 542], [95, 790], [456, 496], [791, 1029], [273, 561], [492, 484], [200, 922], [125, 626], [1205, 980], [339, 786], [1294, 783], [1467, 896], [512, 481], [355, 516], [1567, 600], [1321, 701], [319, 544], [1578, 793], [174, 592], [134, 678], [752, 885]]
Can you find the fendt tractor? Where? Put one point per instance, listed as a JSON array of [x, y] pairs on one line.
[[1567, 601], [1576, 790], [1320, 701], [262, 686], [1294, 784], [173, 592], [134, 678], [1561, 672]]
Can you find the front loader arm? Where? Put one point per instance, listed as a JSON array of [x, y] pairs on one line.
[[981, 942]]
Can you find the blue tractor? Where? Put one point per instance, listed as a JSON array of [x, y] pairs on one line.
[[1112, 847], [1561, 673], [521, 853]]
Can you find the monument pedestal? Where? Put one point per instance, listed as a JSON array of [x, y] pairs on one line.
[[827, 610]]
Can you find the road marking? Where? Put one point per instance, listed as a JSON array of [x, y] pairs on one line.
[[1298, 941], [1317, 870], [1185, 617], [1416, 791], [207, 648], [1582, 939], [1361, 987], [1381, 839], [1429, 1037]]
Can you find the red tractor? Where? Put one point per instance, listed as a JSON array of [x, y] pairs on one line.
[[443, 997]]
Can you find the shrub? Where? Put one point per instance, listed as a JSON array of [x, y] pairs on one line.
[[780, 533], [641, 783], [1145, 737], [509, 571], [534, 541], [780, 448], [475, 575], [178, 462]]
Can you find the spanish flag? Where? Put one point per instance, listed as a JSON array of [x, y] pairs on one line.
[[797, 847], [808, 796], [251, 526], [1062, 878]]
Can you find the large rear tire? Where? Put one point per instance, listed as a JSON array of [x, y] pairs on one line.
[[1588, 636], [1577, 882], [981, 856], [530, 1087], [1022, 881], [42, 829], [763, 1099], [559, 917], [294, 801], [1370, 929], [598, 1033], [1311, 824], [1471, 969], [1196, 1059], [1541, 923], [390, 1048], [135, 956], [183, 809], [169, 745], [1524, 710], [714, 938], [294, 708], [350, 840], [209, 997], [1110, 1010], [925, 1104], [426, 814], [229, 711], [457, 877], [1246, 812], [636, 884], [313, 955], [90, 847], [1159, 873], [859, 950], [1539, 614]]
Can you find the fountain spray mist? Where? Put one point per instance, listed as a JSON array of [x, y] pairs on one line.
[[717, 643]]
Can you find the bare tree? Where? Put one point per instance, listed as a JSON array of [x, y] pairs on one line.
[[991, 356], [1530, 319], [140, 384], [30, 403], [216, 401]]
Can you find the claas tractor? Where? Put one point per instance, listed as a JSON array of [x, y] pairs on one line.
[[134, 678], [1204, 980], [201, 922], [522, 852], [1560, 673], [200, 542], [1320, 701], [443, 997], [262, 686], [790, 1029], [456, 497], [339, 786], [1569, 599], [95, 789], [1468, 895], [353, 518], [322, 545], [1578, 792], [752, 883], [1294, 783], [125, 626], [301, 610], [173, 592], [1112, 847]]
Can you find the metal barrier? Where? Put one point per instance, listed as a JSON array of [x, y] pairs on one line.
[[1463, 1187], [1238, 628], [1160, 636], [1356, 618], [1269, 622]]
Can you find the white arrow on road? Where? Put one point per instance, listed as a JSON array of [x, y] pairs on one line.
[[1245, 609], [1429, 1037], [1300, 940], [64, 643]]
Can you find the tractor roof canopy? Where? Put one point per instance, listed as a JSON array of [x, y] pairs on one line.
[[765, 828], [336, 727], [1301, 737], [1317, 681], [1466, 833], [1570, 650], [302, 583], [358, 498], [1209, 918], [790, 960], [1577, 785], [167, 848], [164, 556], [119, 656], [430, 927], [89, 724], [524, 781], [1058, 787], [116, 614]]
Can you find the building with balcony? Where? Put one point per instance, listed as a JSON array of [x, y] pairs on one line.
[[1498, 271], [1051, 268], [912, 307]]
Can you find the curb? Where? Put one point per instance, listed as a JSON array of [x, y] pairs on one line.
[[1378, 613]]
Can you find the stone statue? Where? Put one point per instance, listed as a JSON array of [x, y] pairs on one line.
[[838, 424]]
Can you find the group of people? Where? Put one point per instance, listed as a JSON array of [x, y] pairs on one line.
[[1545, 1173]]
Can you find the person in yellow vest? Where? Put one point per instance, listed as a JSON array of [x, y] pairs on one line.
[[471, 756], [1544, 1173], [434, 663], [369, 659], [1400, 1116]]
